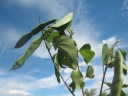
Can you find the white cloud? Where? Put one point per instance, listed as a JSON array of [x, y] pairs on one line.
[[125, 4], [67, 70], [18, 93], [109, 41], [22, 85], [125, 8], [82, 64]]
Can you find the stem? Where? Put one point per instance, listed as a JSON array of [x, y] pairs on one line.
[[82, 88], [58, 70], [106, 89], [68, 78], [103, 80]]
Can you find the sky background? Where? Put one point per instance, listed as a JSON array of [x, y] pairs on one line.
[[95, 22]]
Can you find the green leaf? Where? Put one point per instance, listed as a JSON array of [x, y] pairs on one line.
[[64, 23], [87, 53], [125, 67], [109, 59], [66, 62], [34, 45], [125, 86], [86, 46], [72, 85], [108, 84], [53, 35], [90, 72], [122, 93], [124, 70], [47, 32], [56, 71], [105, 50], [24, 39], [68, 48], [124, 53], [48, 44], [60, 57], [54, 42], [78, 79]]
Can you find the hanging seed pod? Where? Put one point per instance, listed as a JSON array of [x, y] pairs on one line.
[[20, 61], [24, 39], [118, 75]]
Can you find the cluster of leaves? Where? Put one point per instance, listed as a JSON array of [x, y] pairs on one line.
[[92, 92], [67, 52], [54, 35]]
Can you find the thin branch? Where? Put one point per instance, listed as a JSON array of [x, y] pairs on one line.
[[106, 89], [39, 19], [68, 78], [82, 88], [58, 70], [84, 77], [103, 80]]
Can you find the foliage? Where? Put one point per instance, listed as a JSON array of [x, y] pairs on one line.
[[54, 35], [91, 92]]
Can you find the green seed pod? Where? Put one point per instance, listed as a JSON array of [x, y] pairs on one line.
[[24, 39], [20, 61], [118, 75]]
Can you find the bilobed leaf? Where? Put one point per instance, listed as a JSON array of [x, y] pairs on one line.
[[124, 53], [87, 53], [64, 23], [78, 79], [56, 71], [105, 50], [24, 39], [68, 48], [20, 61], [90, 72]]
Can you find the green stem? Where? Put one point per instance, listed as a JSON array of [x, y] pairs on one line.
[[58, 70], [82, 88], [106, 89], [103, 80]]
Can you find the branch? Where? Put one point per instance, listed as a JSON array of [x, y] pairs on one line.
[[103, 80]]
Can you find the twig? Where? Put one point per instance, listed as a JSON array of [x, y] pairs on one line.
[[59, 71], [103, 80], [82, 88], [68, 78], [39, 19], [106, 89]]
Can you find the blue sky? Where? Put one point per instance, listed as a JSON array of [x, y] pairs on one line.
[[95, 22]]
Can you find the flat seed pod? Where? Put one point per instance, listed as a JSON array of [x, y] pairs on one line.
[[19, 62], [24, 39]]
